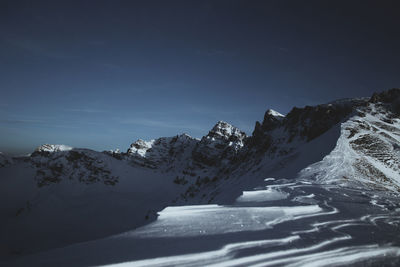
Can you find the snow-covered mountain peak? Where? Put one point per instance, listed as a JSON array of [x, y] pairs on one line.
[[272, 119], [221, 144], [274, 113], [346, 146], [140, 147], [161, 151], [52, 148], [226, 131]]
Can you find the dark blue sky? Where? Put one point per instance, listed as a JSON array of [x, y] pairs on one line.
[[100, 74]]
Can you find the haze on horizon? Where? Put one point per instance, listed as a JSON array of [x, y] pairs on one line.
[[102, 74]]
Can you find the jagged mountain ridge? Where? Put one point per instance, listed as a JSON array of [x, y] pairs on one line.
[[225, 145], [162, 151], [223, 140], [279, 147], [216, 168], [216, 155]]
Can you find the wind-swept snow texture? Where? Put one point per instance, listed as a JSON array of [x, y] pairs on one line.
[[316, 187], [367, 152], [313, 226]]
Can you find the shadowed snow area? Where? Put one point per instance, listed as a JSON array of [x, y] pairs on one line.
[[299, 224], [317, 187]]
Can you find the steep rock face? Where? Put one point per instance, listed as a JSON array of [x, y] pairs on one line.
[[367, 151], [280, 134], [272, 119], [220, 145], [311, 122], [387, 96], [370, 126], [261, 136], [140, 147], [162, 151], [389, 99], [137, 153]]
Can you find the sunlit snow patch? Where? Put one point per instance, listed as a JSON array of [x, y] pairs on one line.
[[198, 220], [274, 113], [52, 148], [262, 195]]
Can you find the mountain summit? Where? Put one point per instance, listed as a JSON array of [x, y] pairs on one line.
[[316, 156]]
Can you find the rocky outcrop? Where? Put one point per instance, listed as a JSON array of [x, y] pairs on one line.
[[220, 145], [261, 137], [387, 96], [310, 122], [82, 165], [367, 151], [390, 97], [226, 150], [46, 149], [301, 124], [161, 151], [140, 147]]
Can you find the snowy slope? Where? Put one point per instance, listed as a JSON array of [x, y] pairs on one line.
[[367, 152], [292, 169], [352, 142], [287, 224], [59, 198], [162, 151], [59, 189]]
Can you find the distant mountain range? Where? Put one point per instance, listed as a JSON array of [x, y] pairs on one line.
[[350, 143]]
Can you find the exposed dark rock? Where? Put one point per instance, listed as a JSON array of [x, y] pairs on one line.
[[391, 97], [387, 96], [73, 164], [311, 122], [223, 142]]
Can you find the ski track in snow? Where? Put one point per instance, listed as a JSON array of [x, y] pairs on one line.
[[300, 224]]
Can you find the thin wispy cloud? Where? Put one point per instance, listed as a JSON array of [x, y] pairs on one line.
[[34, 123], [161, 124], [20, 121], [43, 122]]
